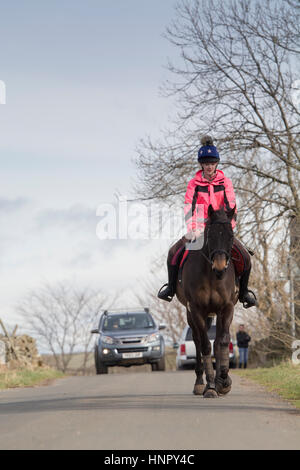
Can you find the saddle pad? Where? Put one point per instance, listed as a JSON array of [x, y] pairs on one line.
[[184, 257], [238, 260]]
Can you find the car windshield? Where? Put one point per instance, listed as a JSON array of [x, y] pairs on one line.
[[128, 321], [211, 333]]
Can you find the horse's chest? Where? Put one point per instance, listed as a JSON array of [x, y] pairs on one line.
[[216, 297], [210, 297]]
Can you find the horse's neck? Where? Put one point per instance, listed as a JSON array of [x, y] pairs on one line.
[[203, 257], [205, 251]]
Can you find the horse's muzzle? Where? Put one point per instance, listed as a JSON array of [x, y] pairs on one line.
[[219, 274], [219, 265]]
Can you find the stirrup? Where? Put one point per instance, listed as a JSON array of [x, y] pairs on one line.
[[247, 304], [167, 297]]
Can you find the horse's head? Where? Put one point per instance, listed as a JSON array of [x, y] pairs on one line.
[[219, 239]]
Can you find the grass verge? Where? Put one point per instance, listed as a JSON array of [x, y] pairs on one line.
[[27, 378], [283, 379]]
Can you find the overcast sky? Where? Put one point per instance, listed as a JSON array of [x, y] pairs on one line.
[[82, 87]]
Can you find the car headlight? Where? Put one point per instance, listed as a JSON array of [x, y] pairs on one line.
[[108, 340], [151, 338]]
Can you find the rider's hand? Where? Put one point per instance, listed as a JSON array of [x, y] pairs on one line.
[[198, 233], [191, 236]]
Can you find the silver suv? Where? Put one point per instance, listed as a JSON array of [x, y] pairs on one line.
[[128, 338]]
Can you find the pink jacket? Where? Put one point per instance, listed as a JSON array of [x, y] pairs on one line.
[[201, 193]]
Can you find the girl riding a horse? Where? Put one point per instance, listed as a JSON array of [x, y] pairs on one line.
[[209, 187]]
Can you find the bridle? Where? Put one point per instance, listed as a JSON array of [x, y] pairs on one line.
[[212, 253]]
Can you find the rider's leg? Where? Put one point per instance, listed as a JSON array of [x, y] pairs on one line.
[[246, 296], [167, 291], [172, 265]]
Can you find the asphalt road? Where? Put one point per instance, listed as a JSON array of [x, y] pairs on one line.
[[144, 411]]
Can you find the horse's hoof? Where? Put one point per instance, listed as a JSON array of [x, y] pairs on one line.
[[224, 390], [210, 393], [199, 389], [223, 386]]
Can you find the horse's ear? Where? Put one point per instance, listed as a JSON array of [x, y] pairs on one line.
[[231, 213], [210, 211]]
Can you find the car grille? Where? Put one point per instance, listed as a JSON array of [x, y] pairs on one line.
[[125, 350], [130, 340]]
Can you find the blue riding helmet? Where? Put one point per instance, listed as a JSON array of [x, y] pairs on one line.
[[208, 153]]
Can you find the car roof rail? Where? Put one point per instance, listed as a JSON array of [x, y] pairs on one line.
[[127, 310]]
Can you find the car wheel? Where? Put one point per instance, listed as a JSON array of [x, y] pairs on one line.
[[101, 368], [160, 365]]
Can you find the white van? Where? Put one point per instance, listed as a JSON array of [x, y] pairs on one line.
[[186, 353]]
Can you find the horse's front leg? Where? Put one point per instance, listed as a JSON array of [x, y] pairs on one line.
[[200, 324], [199, 383], [199, 386], [221, 348]]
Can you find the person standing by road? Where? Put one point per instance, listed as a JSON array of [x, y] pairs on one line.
[[242, 341]]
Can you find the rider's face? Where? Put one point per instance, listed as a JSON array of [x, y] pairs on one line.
[[209, 169]]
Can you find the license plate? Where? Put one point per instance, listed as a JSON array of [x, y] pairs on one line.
[[132, 355]]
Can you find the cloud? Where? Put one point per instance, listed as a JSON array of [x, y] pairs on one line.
[[77, 216], [52, 244], [11, 205]]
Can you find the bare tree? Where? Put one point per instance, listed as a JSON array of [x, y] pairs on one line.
[[237, 79], [61, 317], [273, 324]]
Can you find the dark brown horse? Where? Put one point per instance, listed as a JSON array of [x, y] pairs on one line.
[[208, 288]]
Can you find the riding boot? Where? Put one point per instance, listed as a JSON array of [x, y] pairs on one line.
[[246, 296], [169, 292]]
